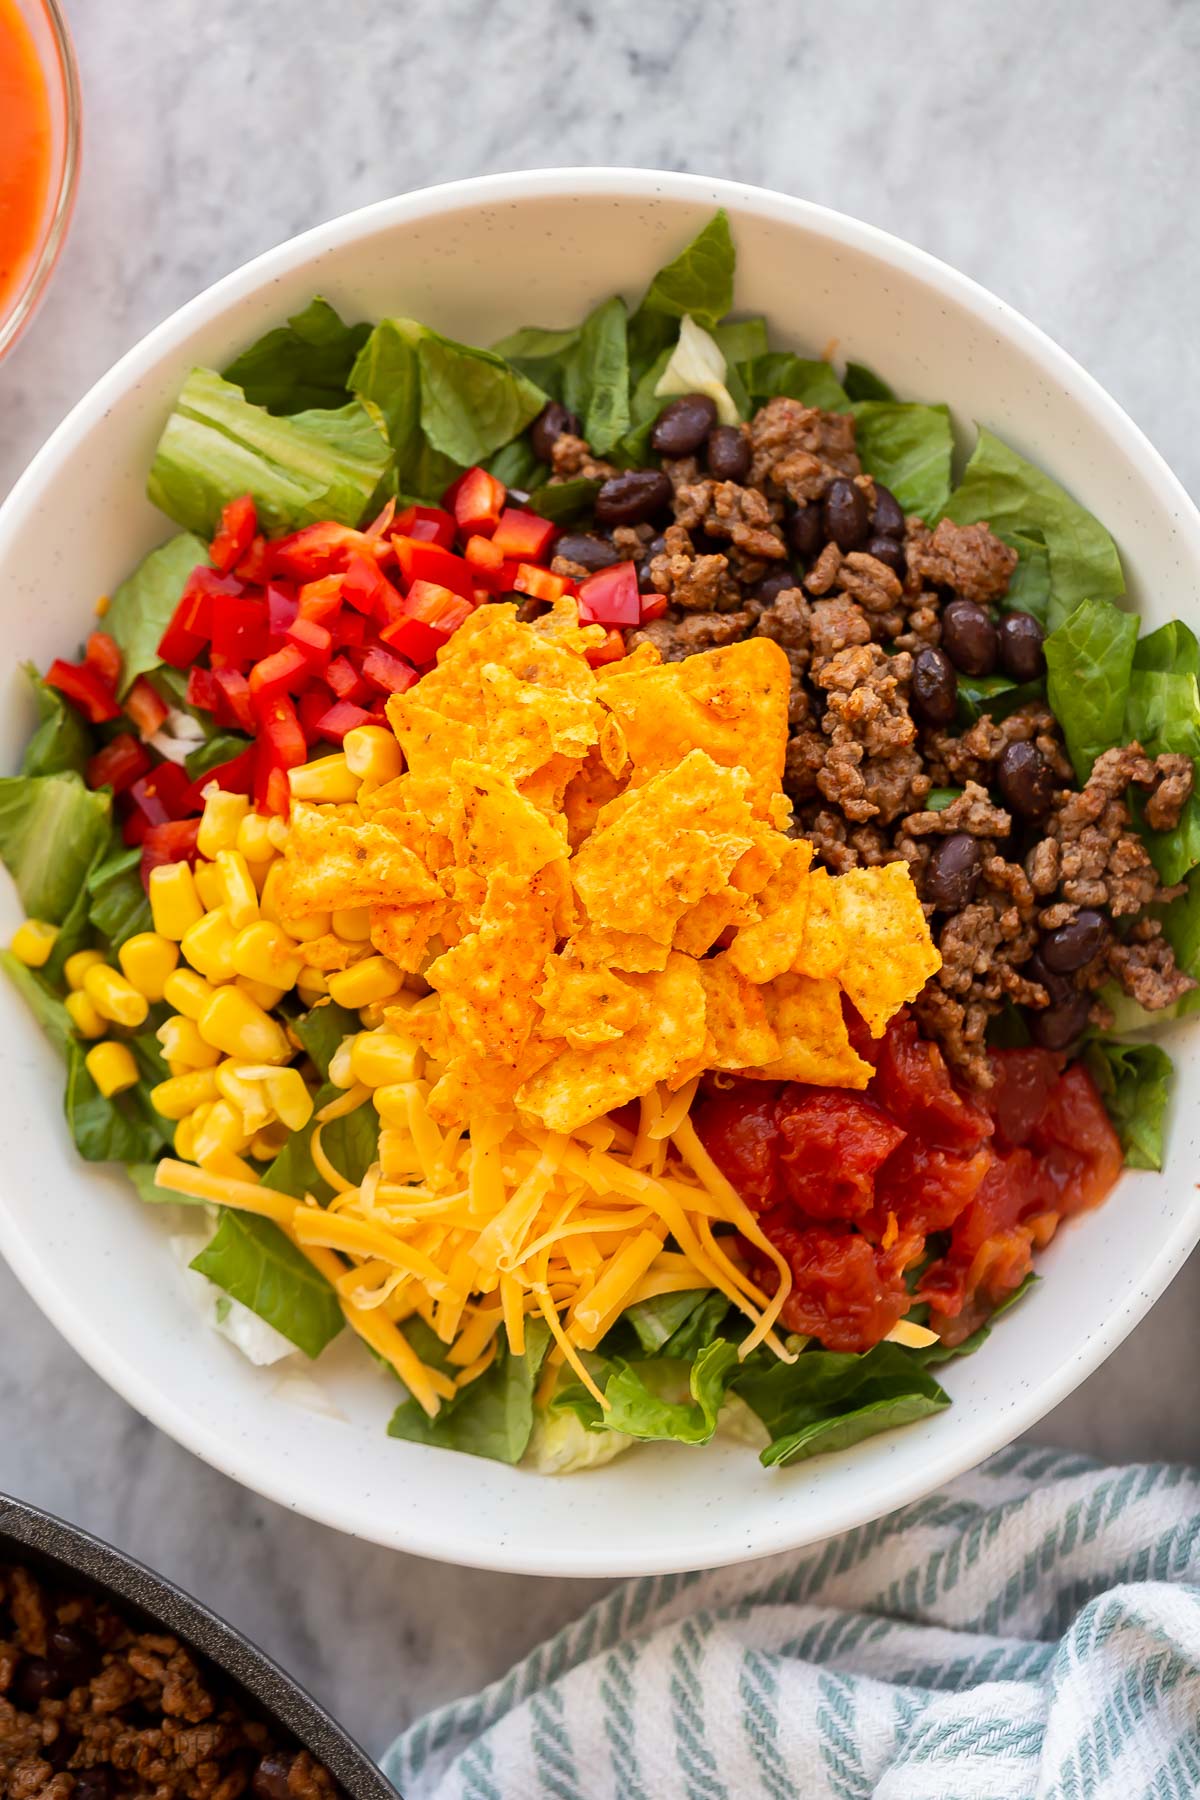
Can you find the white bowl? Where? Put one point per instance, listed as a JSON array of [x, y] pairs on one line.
[[477, 259]]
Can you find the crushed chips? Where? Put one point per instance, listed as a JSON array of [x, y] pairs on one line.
[[590, 870]]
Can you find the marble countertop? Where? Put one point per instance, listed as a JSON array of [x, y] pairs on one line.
[[212, 132]]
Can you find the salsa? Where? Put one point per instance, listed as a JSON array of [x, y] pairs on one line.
[[912, 1193], [24, 149]]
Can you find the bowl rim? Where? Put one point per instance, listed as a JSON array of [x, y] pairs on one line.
[[978, 1438], [28, 1528], [29, 295]]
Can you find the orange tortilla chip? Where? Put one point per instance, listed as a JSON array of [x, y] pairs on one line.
[[489, 980], [823, 947], [501, 829], [814, 1044], [466, 1088], [731, 703], [591, 789], [738, 1032], [768, 947], [891, 954], [581, 1085], [629, 951], [404, 933], [587, 1005], [335, 858], [528, 724]]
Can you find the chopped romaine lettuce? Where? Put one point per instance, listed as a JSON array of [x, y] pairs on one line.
[[540, 355], [1134, 1082], [908, 448], [117, 904], [141, 609], [51, 829], [797, 377], [305, 363], [123, 1129], [62, 740], [561, 1444], [45, 1005], [493, 1415], [862, 383], [250, 1259], [1089, 659], [595, 382], [826, 1401], [1163, 714]]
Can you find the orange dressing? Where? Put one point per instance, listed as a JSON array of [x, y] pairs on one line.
[[24, 150]]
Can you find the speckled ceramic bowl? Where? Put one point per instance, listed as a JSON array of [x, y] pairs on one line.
[[477, 259], [62, 1552]]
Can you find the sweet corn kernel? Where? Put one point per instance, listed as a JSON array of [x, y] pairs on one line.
[[33, 941], [84, 1017], [329, 778], [222, 822], [174, 902], [254, 839], [398, 1157], [277, 831], [266, 1144], [237, 1026], [286, 1091], [244, 1093], [187, 992], [112, 1068], [147, 960], [210, 885], [373, 1015], [265, 952], [185, 1134], [77, 966], [312, 985], [208, 945], [315, 926], [241, 895], [392, 1104], [113, 997], [182, 1044], [380, 1057], [222, 1133], [263, 993], [341, 1068], [375, 978], [351, 923], [372, 752], [179, 1095]]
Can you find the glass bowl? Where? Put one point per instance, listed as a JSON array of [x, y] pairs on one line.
[[56, 58]]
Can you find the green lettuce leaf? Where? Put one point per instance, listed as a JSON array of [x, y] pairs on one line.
[[655, 1322], [908, 448], [1089, 659], [1134, 1081], [303, 364], [321, 1032], [142, 1176], [493, 1415], [62, 740], [799, 378], [643, 1403], [1181, 925], [995, 695], [222, 747], [472, 401], [117, 904], [699, 281], [1019, 501], [862, 383], [307, 467], [51, 829], [741, 340], [351, 1144], [825, 1401], [141, 609], [250, 1259], [564, 501], [75, 930], [1029, 586], [516, 465], [123, 1129], [45, 1005], [1163, 714], [540, 355], [387, 378], [596, 377], [938, 799]]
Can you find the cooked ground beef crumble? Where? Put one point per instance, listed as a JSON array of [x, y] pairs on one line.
[[93, 1707], [1037, 890]]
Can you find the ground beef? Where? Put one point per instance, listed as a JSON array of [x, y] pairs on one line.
[[972, 812], [571, 460], [1176, 776], [798, 450], [92, 1704], [968, 558], [678, 635], [871, 769], [1144, 965], [692, 582], [954, 760], [1089, 850]]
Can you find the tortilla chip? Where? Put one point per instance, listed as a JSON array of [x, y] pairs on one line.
[[501, 829], [656, 850], [489, 980], [561, 626], [730, 702], [581, 1085], [626, 950], [466, 1088], [738, 1032], [768, 947], [404, 933], [336, 858], [528, 723], [430, 736], [701, 925], [823, 948], [586, 1005], [892, 954], [329, 953], [814, 1044]]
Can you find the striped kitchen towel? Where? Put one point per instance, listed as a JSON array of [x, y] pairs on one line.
[[1034, 1630]]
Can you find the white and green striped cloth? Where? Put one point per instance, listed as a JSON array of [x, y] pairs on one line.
[[1034, 1630]]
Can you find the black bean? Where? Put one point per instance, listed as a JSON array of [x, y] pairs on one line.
[[888, 519], [847, 516], [59, 1753], [886, 550], [548, 427], [934, 687], [36, 1680], [74, 1653], [1021, 655], [98, 1783], [969, 638], [590, 552], [728, 454], [1026, 780], [806, 530], [271, 1776], [632, 498], [682, 427], [952, 872], [771, 586], [1075, 943], [1057, 1027], [1059, 987]]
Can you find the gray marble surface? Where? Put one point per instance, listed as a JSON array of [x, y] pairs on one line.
[[1047, 147]]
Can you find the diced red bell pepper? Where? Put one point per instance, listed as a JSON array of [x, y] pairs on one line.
[[284, 669], [611, 650], [239, 632], [173, 841], [203, 689], [313, 642], [317, 550], [367, 589], [282, 608], [235, 533], [146, 708], [653, 607], [282, 746], [539, 584], [478, 502], [430, 562], [482, 554], [234, 707], [611, 595], [160, 796], [101, 653], [389, 673], [255, 566], [428, 524], [118, 765], [430, 614], [311, 708], [85, 688], [349, 628], [345, 680], [524, 536], [236, 777], [192, 621], [343, 716], [321, 600]]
